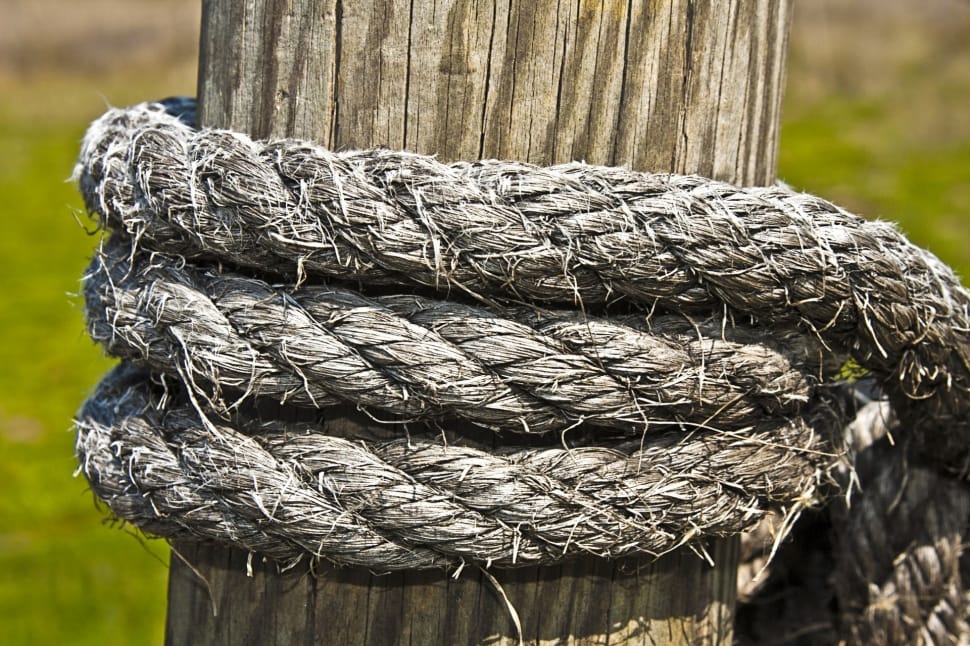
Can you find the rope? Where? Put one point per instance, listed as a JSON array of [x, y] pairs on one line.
[[535, 371], [575, 233], [414, 503], [692, 391], [904, 536]]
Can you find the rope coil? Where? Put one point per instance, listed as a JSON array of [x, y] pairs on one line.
[[414, 503], [535, 371], [693, 392]]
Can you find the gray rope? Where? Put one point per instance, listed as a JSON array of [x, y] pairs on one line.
[[689, 396], [901, 541], [572, 233], [534, 372], [288, 490]]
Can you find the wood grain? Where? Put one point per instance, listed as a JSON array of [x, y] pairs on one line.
[[632, 601], [665, 85], [677, 85]]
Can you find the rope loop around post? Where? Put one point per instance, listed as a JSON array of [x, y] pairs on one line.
[[623, 363]]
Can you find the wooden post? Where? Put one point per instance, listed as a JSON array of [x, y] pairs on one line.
[[666, 85]]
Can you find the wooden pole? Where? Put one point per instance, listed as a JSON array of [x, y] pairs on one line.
[[665, 85]]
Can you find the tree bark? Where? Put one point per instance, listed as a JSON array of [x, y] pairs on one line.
[[666, 85]]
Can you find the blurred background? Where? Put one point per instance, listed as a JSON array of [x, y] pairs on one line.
[[877, 118]]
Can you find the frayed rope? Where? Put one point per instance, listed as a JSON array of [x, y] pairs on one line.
[[692, 392]]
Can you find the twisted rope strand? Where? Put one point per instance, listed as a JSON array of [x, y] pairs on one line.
[[572, 233], [741, 418], [289, 491], [900, 545], [418, 358]]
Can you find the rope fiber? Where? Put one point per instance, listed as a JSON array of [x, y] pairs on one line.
[[626, 363]]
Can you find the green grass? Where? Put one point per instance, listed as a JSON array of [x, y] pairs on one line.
[[859, 154], [66, 578]]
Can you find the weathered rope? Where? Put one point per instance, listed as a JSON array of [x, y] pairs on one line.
[[889, 568], [690, 396], [534, 371], [904, 536], [572, 233], [288, 490]]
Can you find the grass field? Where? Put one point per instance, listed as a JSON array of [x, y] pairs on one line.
[[885, 133], [876, 115], [66, 578]]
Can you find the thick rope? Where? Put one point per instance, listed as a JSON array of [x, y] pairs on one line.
[[534, 371], [902, 543], [690, 397], [287, 490], [573, 233], [887, 566]]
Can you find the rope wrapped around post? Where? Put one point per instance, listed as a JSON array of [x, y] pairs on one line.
[[692, 388]]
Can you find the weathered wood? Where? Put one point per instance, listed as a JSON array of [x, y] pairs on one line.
[[673, 85], [670, 601]]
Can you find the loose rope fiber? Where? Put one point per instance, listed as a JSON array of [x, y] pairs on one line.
[[692, 390]]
